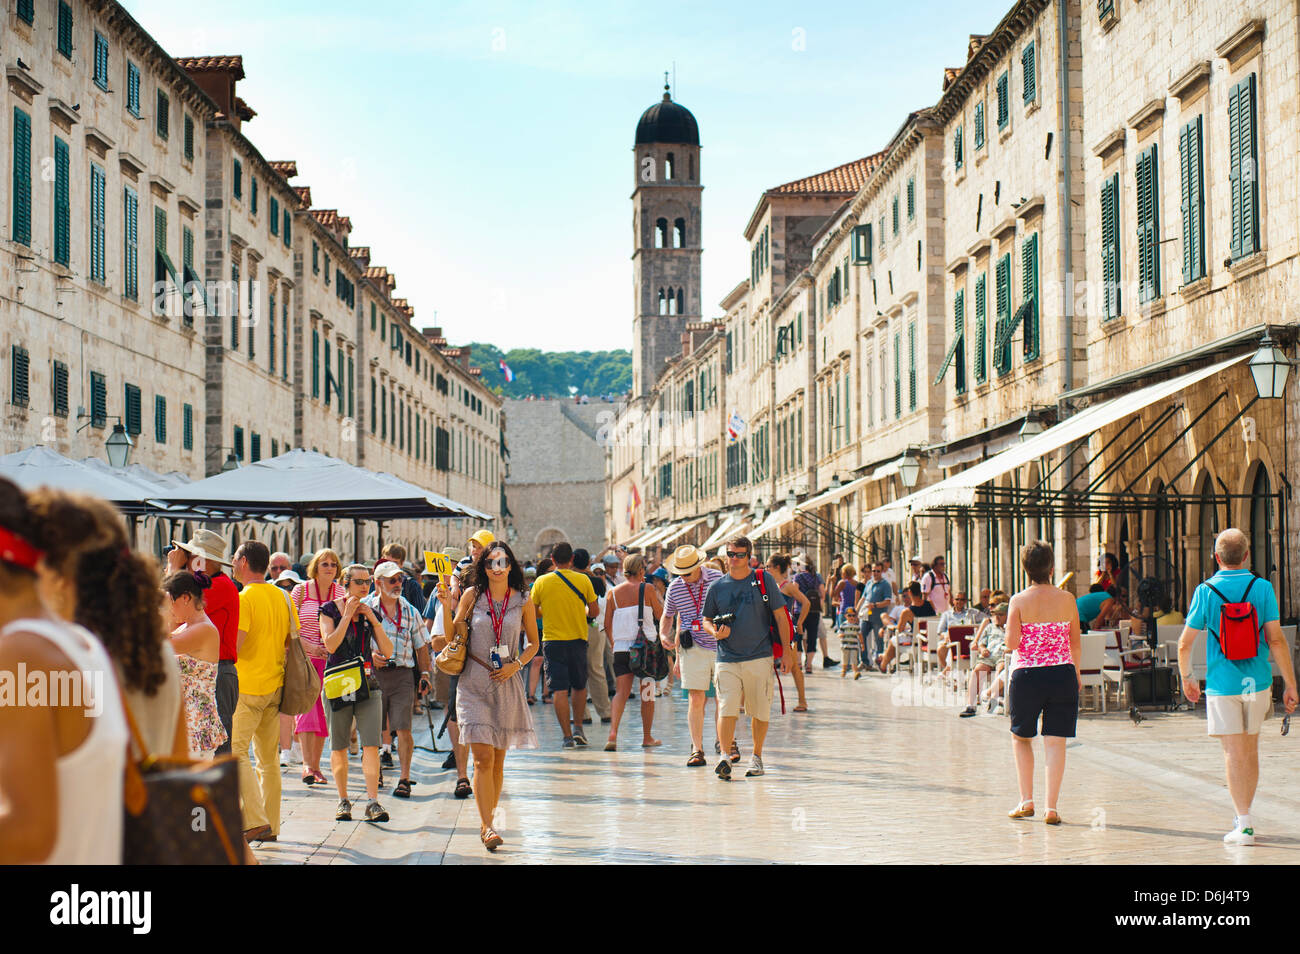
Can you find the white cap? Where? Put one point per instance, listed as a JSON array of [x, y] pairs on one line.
[[387, 568]]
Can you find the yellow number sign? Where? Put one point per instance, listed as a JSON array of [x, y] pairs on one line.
[[438, 563]]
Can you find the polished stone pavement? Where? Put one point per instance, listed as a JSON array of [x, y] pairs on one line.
[[879, 771]]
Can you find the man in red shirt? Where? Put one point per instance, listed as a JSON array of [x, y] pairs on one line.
[[206, 553]]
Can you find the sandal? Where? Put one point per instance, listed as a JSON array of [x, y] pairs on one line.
[[462, 789], [611, 746], [309, 780], [734, 754], [800, 708], [491, 840], [1052, 818], [403, 788], [320, 778], [696, 759], [1020, 811]]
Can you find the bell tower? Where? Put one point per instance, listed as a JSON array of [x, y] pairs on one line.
[[666, 247]]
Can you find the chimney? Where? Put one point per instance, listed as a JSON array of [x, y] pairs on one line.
[[217, 76]]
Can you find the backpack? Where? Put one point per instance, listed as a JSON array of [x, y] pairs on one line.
[[647, 658], [774, 634], [808, 584], [1238, 633]]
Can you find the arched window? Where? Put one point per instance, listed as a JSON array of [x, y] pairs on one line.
[[234, 541], [672, 302], [663, 302], [1207, 530], [1261, 524], [669, 165], [679, 233], [681, 302], [661, 233]]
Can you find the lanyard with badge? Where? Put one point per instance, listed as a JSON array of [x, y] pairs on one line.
[[397, 633], [697, 624], [498, 623]]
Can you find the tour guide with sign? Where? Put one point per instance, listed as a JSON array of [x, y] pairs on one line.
[[753, 619]]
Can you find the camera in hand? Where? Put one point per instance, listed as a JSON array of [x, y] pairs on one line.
[[724, 619]]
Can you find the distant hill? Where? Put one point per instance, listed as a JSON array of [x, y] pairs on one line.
[[553, 373]]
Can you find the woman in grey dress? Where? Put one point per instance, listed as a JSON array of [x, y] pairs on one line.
[[491, 708]]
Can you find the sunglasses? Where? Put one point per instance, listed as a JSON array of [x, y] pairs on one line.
[[326, 563], [499, 563], [360, 580], [737, 555]]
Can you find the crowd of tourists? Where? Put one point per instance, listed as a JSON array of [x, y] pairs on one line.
[[196, 656]]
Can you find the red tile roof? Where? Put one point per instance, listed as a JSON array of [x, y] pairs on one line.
[[193, 64], [304, 196], [950, 73], [842, 180], [331, 219], [243, 110], [286, 167]]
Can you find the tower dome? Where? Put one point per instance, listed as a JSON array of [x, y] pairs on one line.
[[667, 121]]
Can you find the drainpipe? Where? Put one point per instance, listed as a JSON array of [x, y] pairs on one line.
[[1067, 211]]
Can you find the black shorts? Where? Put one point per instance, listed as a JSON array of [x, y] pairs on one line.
[[566, 664], [1049, 691], [807, 633], [451, 702], [622, 664]]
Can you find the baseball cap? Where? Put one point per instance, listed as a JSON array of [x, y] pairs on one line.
[[611, 559], [483, 537], [387, 568]]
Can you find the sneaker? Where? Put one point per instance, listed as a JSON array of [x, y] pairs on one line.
[[723, 770], [828, 663], [344, 811], [375, 813], [717, 747], [967, 712], [450, 761], [755, 767], [992, 704], [605, 720], [386, 758], [568, 742], [586, 720], [1240, 836], [579, 739]]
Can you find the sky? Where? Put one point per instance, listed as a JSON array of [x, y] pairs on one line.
[[484, 150]]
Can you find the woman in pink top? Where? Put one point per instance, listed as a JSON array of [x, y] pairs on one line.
[[321, 587], [1043, 633]]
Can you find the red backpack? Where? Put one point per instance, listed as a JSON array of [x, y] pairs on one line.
[[1238, 633], [778, 650]]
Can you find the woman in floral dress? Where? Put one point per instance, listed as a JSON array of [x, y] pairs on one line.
[[322, 585], [195, 641]]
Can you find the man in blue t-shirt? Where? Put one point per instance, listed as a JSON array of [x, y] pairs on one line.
[[744, 667], [1089, 603], [1238, 693]]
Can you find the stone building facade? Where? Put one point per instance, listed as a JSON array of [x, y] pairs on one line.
[[161, 272]]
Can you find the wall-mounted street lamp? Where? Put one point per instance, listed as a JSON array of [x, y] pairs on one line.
[[1270, 368], [909, 468], [118, 446]]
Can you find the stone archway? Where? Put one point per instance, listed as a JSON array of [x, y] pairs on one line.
[[546, 540]]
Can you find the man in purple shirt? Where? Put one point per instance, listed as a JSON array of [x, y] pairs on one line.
[[683, 608]]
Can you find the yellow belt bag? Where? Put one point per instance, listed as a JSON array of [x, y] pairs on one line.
[[344, 678]]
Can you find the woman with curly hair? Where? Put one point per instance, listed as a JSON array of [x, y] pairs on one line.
[[97, 581], [61, 764], [195, 641]]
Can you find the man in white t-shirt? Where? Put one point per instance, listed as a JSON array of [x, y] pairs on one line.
[[936, 588]]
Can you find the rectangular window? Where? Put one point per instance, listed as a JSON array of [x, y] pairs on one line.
[[18, 393], [59, 389], [1243, 173], [130, 244], [254, 447], [1193, 201], [26, 10], [911, 366], [235, 301], [237, 179], [329, 374], [22, 188], [62, 209], [132, 406], [315, 363], [284, 339], [1147, 185], [1110, 261], [252, 197], [239, 443], [160, 419], [957, 155], [1105, 8], [287, 222], [187, 427], [861, 246], [979, 125], [98, 187], [270, 327], [133, 89], [898, 380], [98, 400], [1029, 294], [981, 330], [1004, 97], [162, 121], [895, 215], [959, 337], [101, 60], [351, 387], [911, 198], [275, 216], [65, 29], [1029, 75], [315, 266], [1001, 339], [189, 137]]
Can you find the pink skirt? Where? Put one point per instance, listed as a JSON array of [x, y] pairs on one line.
[[313, 721]]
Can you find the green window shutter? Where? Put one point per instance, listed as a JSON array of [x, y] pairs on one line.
[[284, 339], [979, 125], [162, 121], [1243, 172], [315, 363], [132, 410], [959, 337], [270, 327], [189, 136], [957, 157], [62, 208], [1148, 216], [234, 308], [22, 190], [895, 209], [898, 381], [1004, 105], [911, 366], [252, 199], [238, 443], [19, 366], [133, 90], [1001, 342], [98, 188], [26, 10], [315, 263], [1029, 295], [160, 419], [275, 216], [351, 387], [187, 427], [1105, 8], [101, 61], [237, 179], [287, 222], [1110, 260], [130, 243], [59, 389], [1193, 201], [65, 29], [911, 198], [254, 447], [98, 399], [1029, 78]]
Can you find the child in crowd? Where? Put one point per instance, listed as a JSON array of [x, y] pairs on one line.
[[851, 644]]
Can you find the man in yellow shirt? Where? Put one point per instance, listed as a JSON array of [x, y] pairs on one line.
[[566, 599], [267, 619]]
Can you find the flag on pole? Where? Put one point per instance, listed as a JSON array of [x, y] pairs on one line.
[[505, 369], [735, 427]]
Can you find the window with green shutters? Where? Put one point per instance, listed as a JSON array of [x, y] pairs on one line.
[[1192, 193], [1029, 295], [1029, 76], [101, 61], [133, 89], [162, 119], [275, 216], [59, 389], [1002, 340], [882, 233], [130, 244], [911, 366], [1004, 100], [315, 268], [187, 427], [19, 369], [234, 308], [1243, 173], [270, 327], [189, 136], [979, 359], [287, 222], [352, 406], [65, 29], [862, 244], [979, 125], [160, 419], [315, 363], [958, 157], [252, 197], [959, 337], [98, 188], [237, 179], [1146, 181], [254, 447], [238, 443], [1105, 8], [22, 188], [62, 208], [898, 379], [1110, 261], [284, 339], [339, 379], [895, 215], [26, 10], [373, 391], [164, 268], [911, 198], [132, 407]]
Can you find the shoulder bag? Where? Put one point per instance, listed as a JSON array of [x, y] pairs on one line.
[[452, 658], [647, 657], [346, 682], [302, 684]]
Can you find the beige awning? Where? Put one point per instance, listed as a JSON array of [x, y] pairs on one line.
[[724, 528], [777, 519]]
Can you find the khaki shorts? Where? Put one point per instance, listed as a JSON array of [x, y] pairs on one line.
[[1235, 715], [697, 667], [751, 680]]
